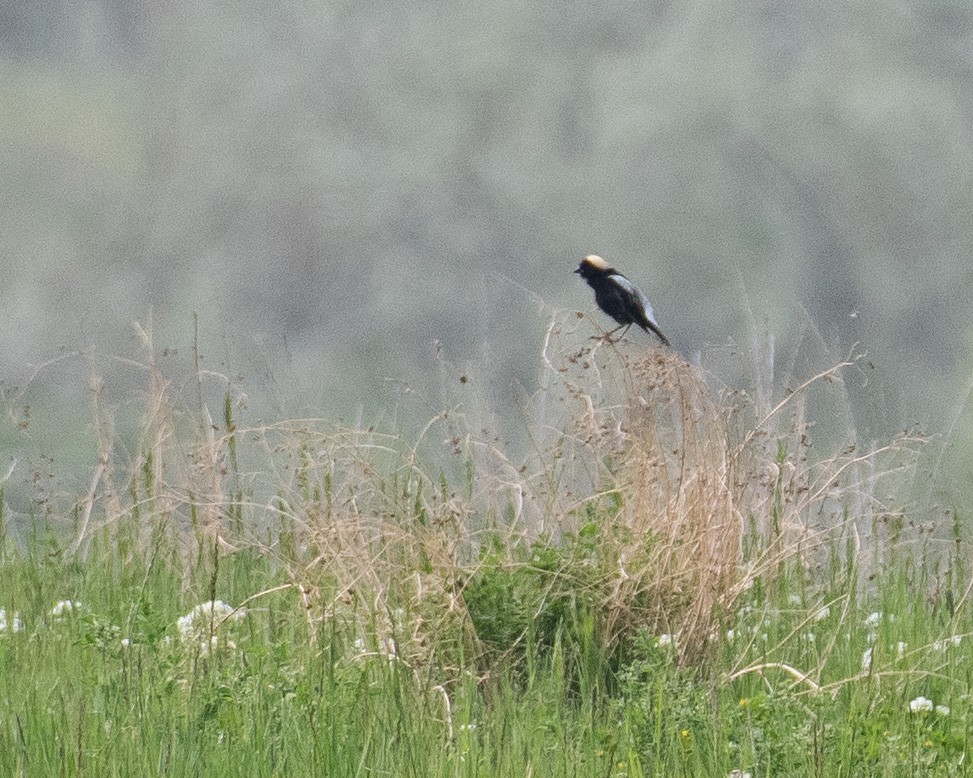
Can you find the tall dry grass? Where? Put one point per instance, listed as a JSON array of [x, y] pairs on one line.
[[694, 492], [717, 487]]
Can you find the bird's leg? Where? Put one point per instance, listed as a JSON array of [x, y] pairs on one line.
[[607, 337]]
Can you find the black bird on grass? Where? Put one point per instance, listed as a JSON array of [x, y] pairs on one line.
[[619, 297]]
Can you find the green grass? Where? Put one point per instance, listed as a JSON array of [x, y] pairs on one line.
[[268, 699], [619, 606], [111, 688]]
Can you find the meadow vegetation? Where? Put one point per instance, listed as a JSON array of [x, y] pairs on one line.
[[676, 578]]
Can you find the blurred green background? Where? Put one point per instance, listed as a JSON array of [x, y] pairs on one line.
[[351, 192]]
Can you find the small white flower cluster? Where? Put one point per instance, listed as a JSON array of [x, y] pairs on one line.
[[211, 646], [65, 608], [873, 621], [13, 624], [940, 646], [900, 651], [759, 627], [198, 625], [924, 705], [665, 640], [733, 634]]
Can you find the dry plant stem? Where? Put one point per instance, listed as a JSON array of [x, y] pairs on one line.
[[448, 708], [783, 403], [35, 371], [253, 597], [801, 677], [797, 629], [102, 469], [88, 502]]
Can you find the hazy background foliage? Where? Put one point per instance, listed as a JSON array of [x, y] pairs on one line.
[[350, 192]]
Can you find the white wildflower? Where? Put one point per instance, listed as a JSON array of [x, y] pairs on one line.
[[64, 608], [900, 649], [873, 620], [204, 618], [13, 624], [867, 660], [942, 710], [921, 705], [126, 643], [809, 637], [822, 613], [941, 645], [731, 634], [738, 774], [794, 599], [209, 647], [669, 640]]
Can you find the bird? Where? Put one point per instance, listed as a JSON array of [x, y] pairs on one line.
[[619, 297]]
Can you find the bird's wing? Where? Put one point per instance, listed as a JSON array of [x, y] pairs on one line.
[[636, 294]]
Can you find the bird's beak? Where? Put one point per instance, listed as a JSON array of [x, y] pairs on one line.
[[577, 269]]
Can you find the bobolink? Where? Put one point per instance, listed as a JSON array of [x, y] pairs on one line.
[[618, 297]]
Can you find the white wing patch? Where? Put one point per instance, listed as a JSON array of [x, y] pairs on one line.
[[628, 286]]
